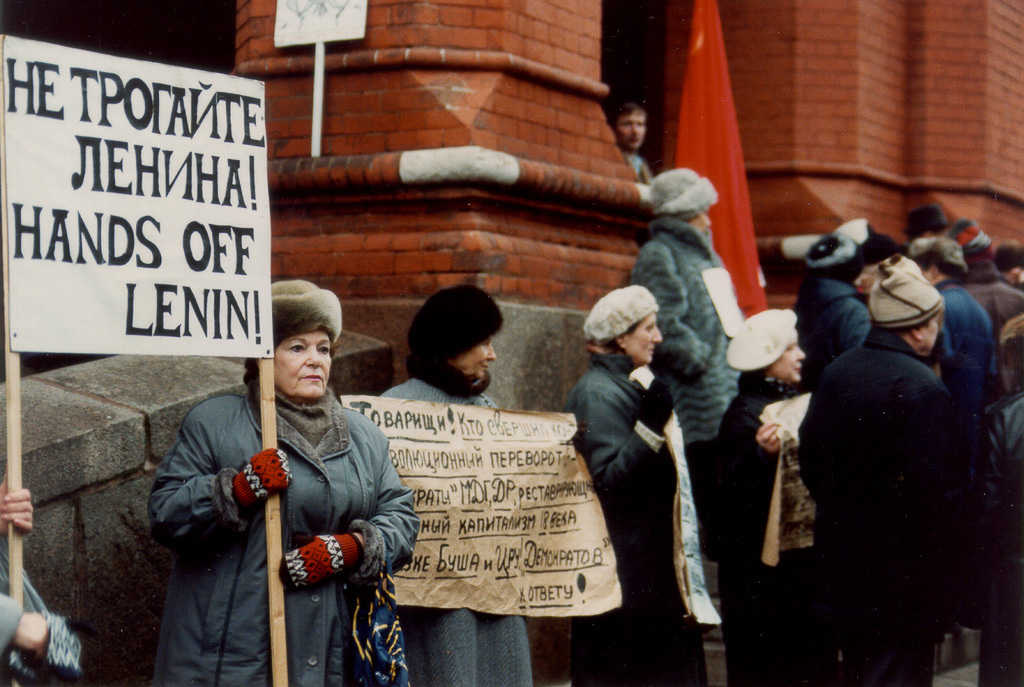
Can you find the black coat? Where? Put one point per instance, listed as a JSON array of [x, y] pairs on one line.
[[748, 473], [998, 563], [880, 453], [830, 319]]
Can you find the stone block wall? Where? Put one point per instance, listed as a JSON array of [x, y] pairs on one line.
[[93, 433]]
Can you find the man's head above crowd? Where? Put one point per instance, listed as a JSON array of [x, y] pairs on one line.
[[630, 127]]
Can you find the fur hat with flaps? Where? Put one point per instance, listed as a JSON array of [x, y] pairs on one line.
[[300, 307], [901, 297], [616, 312], [762, 340], [452, 321], [835, 256], [683, 193]]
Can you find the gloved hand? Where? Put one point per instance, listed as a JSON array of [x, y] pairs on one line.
[[656, 405], [324, 556], [266, 473]]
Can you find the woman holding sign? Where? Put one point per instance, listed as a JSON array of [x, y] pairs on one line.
[[648, 640], [449, 355], [345, 515], [770, 638]]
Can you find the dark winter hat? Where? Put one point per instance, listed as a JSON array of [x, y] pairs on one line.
[[452, 321], [835, 256], [878, 247], [926, 218], [976, 243], [1009, 255], [300, 306]]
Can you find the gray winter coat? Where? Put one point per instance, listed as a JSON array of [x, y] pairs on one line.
[[692, 356], [448, 647], [635, 483], [215, 627]]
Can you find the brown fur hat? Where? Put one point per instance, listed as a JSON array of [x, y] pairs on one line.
[[300, 306]]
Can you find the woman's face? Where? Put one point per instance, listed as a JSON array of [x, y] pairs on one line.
[[639, 342], [473, 363], [302, 364], [787, 368]]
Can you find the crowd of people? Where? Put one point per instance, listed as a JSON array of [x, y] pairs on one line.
[[916, 486]]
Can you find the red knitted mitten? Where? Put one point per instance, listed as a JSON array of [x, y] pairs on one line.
[[325, 556], [265, 473]]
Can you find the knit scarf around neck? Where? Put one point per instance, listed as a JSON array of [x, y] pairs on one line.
[[317, 429]]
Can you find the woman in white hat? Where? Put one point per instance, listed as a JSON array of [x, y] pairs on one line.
[[646, 641], [765, 610]]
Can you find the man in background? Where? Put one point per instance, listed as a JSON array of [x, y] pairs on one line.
[[881, 453], [630, 132]]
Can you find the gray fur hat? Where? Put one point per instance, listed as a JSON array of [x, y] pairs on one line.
[[616, 312], [682, 192], [300, 306], [941, 251]]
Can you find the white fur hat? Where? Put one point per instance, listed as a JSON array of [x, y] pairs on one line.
[[615, 313], [762, 340], [682, 192]]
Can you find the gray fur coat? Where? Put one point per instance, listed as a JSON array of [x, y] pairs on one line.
[[692, 356]]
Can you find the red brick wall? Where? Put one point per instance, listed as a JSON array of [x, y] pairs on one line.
[[519, 76], [846, 108]]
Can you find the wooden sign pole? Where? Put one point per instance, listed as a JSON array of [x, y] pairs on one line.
[[272, 511], [12, 365]]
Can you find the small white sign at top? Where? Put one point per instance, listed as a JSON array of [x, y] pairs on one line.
[[301, 22]]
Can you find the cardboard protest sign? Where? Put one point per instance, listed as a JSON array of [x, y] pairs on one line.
[[136, 206], [792, 509], [300, 22], [510, 521]]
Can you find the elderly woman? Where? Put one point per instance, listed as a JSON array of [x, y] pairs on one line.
[[646, 641], [345, 515], [697, 315], [449, 353], [770, 638]]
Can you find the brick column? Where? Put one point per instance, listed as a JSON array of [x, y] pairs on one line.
[[462, 142]]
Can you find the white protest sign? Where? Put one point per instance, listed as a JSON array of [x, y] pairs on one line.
[[510, 523], [300, 22], [136, 206]]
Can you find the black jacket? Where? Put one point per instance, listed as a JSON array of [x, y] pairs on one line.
[[830, 319], [997, 582], [748, 473], [880, 453]]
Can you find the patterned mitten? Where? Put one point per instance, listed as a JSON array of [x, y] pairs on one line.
[[325, 556], [265, 473], [63, 656]]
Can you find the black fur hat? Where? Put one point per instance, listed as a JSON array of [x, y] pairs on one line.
[[452, 321]]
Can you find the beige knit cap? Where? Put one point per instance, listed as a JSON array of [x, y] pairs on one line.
[[901, 296], [682, 192], [762, 340], [615, 313], [300, 306]]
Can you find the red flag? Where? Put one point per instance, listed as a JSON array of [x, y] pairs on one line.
[[709, 143]]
